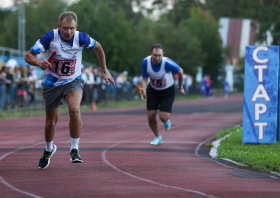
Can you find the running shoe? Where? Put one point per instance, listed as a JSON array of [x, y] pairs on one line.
[[167, 125], [46, 157], [75, 156], [156, 141]]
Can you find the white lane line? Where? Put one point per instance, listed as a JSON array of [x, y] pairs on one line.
[[102, 142], [103, 155], [201, 143], [16, 189], [9, 185]]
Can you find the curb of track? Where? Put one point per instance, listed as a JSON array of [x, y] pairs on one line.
[[213, 153]]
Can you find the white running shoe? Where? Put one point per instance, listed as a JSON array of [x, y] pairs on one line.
[[156, 141]]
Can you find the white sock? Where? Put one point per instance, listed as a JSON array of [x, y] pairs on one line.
[[49, 146], [75, 143]]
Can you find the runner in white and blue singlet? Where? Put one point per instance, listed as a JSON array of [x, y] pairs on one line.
[[160, 91], [62, 79], [52, 77]]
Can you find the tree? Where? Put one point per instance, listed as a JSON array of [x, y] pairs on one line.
[[224, 8], [180, 8], [178, 44], [205, 28], [127, 6], [40, 18], [9, 37], [4, 13], [116, 35]]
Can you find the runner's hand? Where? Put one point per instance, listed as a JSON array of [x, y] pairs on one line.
[[44, 64], [107, 77], [182, 91], [143, 94]]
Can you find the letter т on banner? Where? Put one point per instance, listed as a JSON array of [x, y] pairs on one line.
[[260, 94]]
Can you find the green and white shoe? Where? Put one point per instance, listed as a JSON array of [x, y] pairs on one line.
[[167, 125], [46, 157]]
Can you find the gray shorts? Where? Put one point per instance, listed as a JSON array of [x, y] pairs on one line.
[[53, 95]]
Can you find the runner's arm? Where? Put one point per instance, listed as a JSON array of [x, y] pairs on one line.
[[180, 81], [40, 46], [31, 59], [102, 61], [144, 83]]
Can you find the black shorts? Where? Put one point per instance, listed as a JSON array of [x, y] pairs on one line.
[[160, 99]]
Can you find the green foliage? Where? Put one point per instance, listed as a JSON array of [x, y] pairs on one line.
[[259, 156], [205, 29], [178, 44], [9, 36], [147, 37], [224, 8], [188, 36], [42, 18], [180, 9], [127, 6], [3, 15], [116, 35]]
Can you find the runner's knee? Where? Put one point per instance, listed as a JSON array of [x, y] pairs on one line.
[[152, 118], [164, 116], [74, 113], [51, 123]]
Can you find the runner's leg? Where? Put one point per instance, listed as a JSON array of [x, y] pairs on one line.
[[164, 116], [153, 122], [73, 99], [51, 120]]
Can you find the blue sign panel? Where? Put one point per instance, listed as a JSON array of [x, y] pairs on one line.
[[279, 106], [260, 94]]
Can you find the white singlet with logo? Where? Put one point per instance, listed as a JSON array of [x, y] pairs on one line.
[[159, 80], [66, 64]]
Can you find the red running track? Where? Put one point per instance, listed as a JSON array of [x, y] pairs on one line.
[[120, 162]]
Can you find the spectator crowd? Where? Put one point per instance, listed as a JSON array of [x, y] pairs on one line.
[[20, 86]]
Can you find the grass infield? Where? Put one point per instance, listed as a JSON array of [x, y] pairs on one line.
[[264, 157], [102, 105]]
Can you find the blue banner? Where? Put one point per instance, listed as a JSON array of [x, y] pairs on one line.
[[260, 94]]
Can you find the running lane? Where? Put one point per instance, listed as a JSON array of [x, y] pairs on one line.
[[120, 162]]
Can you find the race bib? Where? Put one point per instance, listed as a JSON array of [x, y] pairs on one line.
[[63, 67], [158, 83]]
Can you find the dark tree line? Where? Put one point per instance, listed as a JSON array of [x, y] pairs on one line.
[[188, 31]]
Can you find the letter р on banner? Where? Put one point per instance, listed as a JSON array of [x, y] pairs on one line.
[[260, 94]]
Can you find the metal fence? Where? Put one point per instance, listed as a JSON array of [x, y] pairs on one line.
[[20, 95]]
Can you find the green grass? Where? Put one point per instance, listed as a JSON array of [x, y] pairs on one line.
[[102, 105], [264, 157], [27, 113], [223, 133]]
